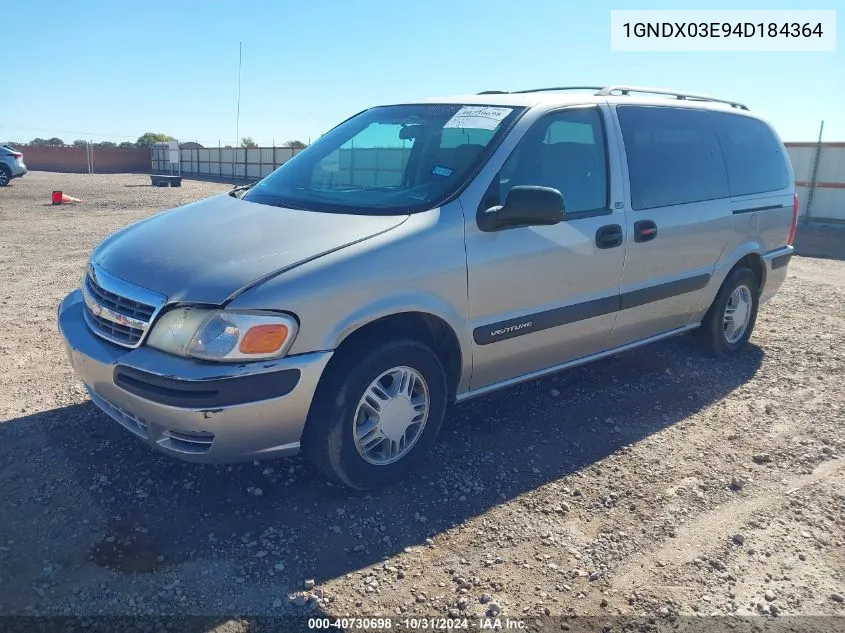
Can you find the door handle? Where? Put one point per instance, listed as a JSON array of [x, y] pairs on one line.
[[609, 236], [644, 230]]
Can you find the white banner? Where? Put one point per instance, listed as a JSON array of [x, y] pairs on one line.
[[726, 31]]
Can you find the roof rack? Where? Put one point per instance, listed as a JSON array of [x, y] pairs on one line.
[[557, 88], [519, 92], [625, 90], [690, 96]]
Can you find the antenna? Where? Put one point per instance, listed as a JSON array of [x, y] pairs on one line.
[[238, 116]]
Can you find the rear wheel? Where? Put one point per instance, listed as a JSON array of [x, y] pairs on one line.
[[376, 412], [5, 175], [729, 322]]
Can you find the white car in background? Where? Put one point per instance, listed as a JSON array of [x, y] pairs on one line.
[[11, 164]]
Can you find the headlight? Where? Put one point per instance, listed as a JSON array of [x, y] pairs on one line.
[[223, 335]]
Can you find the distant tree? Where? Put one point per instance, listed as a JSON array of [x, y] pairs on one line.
[[296, 145], [227, 147], [47, 142], [106, 144], [80, 143], [125, 144], [145, 140], [247, 141]]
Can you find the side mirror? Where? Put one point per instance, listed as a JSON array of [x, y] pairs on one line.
[[524, 206]]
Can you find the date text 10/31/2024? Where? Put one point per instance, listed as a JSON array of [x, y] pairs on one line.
[[417, 624]]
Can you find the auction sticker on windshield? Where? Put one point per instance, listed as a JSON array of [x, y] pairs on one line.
[[478, 117]]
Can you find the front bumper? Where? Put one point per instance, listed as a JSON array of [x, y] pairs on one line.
[[197, 411]]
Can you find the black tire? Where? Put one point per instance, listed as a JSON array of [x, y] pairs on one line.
[[5, 175], [712, 331], [328, 438]]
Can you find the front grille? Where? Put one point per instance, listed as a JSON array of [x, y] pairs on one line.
[[112, 313], [115, 331], [121, 305]]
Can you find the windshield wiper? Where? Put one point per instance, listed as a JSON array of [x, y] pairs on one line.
[[283, 204], [238, 192]]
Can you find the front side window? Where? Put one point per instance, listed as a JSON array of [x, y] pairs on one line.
[[389, 160], [565, 151], [673, 156]]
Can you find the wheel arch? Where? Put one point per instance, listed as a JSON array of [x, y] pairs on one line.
[[749, 255], [754, 262], [424, 327], [324, 432]]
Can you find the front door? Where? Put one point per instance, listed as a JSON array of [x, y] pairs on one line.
[[544, 295]]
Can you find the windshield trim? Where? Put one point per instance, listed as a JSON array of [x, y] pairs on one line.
[[491, 147]]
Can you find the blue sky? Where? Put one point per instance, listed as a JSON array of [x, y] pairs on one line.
[[108, 70]]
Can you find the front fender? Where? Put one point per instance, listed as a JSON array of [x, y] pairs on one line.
[[410, 302], [418, 267], [407, 302]]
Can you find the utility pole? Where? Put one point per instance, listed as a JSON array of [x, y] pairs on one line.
[[813, 176]]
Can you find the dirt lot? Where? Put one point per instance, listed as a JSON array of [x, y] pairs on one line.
[[656, 483]]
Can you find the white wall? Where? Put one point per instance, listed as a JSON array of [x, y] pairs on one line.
[[829, 194]]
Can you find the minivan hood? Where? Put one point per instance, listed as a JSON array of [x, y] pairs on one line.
[[207, 251]]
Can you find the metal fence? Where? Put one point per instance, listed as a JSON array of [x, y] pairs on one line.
[[371, 166], [819, 169], [226, 163]]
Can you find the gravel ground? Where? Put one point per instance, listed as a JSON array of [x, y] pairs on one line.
[[715, 488]]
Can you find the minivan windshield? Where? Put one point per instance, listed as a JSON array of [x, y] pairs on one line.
[[388, 160]]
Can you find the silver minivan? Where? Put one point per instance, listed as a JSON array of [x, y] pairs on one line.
[[420, 254]]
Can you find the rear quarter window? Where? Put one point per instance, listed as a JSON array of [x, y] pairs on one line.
[[673, 156], [753, 155]]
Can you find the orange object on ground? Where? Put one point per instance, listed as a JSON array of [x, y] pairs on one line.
[[63, 198]]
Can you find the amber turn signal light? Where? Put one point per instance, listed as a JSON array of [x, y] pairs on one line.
[[264, 339]]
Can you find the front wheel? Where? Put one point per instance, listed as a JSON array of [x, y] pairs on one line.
[[376, 412], [728, 324]]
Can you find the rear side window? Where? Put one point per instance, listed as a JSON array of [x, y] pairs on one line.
[[753, 154], [673, 156]]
